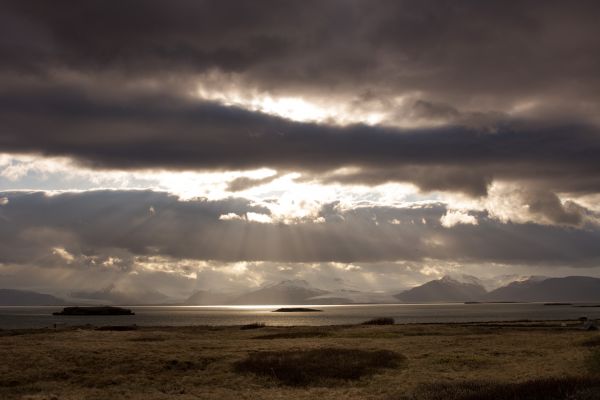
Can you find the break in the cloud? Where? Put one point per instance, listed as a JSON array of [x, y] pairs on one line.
[[296, 133]]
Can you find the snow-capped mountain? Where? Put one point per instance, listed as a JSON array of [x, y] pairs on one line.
[[446, 289], [293, 291]]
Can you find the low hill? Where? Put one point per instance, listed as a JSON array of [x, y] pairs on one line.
[[567, 289], [12, 297]]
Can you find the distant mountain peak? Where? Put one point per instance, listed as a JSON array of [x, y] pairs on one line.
[[463, 278], [290, 283], [537, 278], [446, 289], [542, 289], [289, 291], [295, 282]]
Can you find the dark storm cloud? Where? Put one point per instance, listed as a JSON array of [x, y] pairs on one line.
[[97, 224], [32, 223], [549, 205], [108, 83], [243, 183], [446, 50], [154, 130]]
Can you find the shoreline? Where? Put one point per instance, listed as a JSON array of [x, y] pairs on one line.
[[533, 323]]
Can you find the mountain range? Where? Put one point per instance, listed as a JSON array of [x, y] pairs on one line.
[[11, 297], [447, 289], [461, 288], [568, 289]]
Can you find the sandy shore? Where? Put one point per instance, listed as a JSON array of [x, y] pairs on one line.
[[203, 362]]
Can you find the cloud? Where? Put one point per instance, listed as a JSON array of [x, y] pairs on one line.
[[260, 218], [91, 228], [64, 254], [454, 217], [150, 131], [500, 92], [549, 206], [510, 202], [493, 100], [244, 183], [230, 217], [457, 53]]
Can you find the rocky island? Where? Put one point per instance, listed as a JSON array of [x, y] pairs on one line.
[[103, 310]]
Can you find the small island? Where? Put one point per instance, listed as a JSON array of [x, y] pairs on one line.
[[296, 309], [103, 310]]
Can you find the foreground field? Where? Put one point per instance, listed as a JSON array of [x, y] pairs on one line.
[[438, 361]]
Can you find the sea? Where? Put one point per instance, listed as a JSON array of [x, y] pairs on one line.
[[41, 317]]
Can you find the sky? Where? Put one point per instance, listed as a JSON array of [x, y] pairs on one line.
[[152, 148]]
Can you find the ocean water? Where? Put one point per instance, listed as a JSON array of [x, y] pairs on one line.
[[40, 317]]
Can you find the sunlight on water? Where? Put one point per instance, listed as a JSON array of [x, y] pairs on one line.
[[39, 317]]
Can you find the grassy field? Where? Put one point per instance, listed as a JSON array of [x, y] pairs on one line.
[[395, 362]]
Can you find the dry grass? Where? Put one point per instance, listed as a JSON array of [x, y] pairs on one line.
[[592, 362], [592, 342], [324, 366], [565, 388], [200, 362], [255, 325], [118, 328], [303, 334], [380, 321]]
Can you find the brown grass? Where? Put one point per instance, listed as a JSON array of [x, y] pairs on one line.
[[319, 366], [255, 325], [592, 363], [592, 342], [380, 321], [564, 388], [188, 365], [118, 328], [295, 335], [199, 362]]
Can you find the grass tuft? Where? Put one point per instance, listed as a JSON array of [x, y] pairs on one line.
[[591, 342], [118, 328], [187, 365], [380, 321], [148, 339], [255, 325], [318, 366], [592, 362], [295, 335]]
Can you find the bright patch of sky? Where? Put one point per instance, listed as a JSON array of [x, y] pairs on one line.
[[288, 197]]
